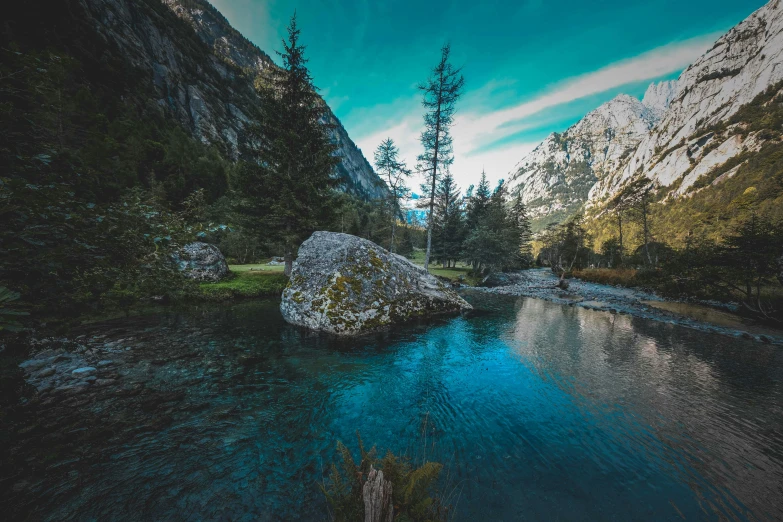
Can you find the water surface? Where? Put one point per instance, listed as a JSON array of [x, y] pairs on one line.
[[538, 410]]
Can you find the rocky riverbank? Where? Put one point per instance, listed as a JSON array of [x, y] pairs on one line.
[[542, 284]]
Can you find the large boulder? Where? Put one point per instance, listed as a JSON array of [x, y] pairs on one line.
[[347, 285], [202, 262]]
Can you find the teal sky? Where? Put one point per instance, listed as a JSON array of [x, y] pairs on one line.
[[531, 66]]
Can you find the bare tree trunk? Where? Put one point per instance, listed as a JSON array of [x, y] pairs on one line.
[[434, 179], [394, 227], [429, 246], [377, 496]]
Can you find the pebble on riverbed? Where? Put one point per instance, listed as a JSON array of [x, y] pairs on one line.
[[61, 372]]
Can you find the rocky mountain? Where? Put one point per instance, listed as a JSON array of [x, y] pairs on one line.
[[740, 66], [201, 71], [556, 178], [696, 126]]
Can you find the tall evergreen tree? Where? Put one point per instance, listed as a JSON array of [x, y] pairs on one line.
[[394, 170], [478, 202], [441, 91], [524, 231], [287, 191], [636, 198], [448, 229], [494, 241]]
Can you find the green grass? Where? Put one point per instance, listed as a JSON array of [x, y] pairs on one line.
[[262, 281], [460, 273], [256, 268]]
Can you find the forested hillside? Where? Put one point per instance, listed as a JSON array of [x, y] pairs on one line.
[[122, 132]]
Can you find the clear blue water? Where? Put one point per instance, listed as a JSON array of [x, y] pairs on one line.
[[539, 412]]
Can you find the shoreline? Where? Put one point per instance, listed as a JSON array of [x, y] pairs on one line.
[[542, 284]]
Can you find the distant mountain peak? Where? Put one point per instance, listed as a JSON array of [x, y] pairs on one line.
[[666, 135], [659, 95], [555, 179]]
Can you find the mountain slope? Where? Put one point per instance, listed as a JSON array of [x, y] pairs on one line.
[[227, 43], [741, 65], [694, 128], [202, 72], [556, 178]]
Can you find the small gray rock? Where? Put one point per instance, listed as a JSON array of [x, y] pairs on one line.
[[34, 364], [72, 388], [202, 262], [102, 364], [86, 370]]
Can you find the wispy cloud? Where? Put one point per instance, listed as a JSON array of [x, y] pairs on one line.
[[648, 66], [475, 132]]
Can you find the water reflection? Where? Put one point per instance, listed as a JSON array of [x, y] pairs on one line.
[[704, 409], [541, 411]]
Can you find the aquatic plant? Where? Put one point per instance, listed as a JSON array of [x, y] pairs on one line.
[[414, 493]]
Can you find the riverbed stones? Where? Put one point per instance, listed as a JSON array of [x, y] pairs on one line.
[[347, 285], [202, 262], [496, 279]]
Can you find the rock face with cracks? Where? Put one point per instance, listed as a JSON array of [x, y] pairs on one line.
[[346, 285]]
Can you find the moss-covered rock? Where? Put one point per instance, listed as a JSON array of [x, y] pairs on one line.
[[347, 285]]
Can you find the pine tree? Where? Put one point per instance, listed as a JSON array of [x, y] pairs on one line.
[[448, 228], [493, 243], [287, 190], [636, 199], [478, 202], [524, 231], [394, 170], [441, 92]]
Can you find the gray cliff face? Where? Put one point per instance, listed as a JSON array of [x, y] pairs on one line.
[[669, 135], [556, 178], [742, 64], [202, 73], [347, 285]]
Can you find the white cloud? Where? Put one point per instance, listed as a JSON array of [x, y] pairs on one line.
[[474, 130], [497, 163], [405, 132]]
